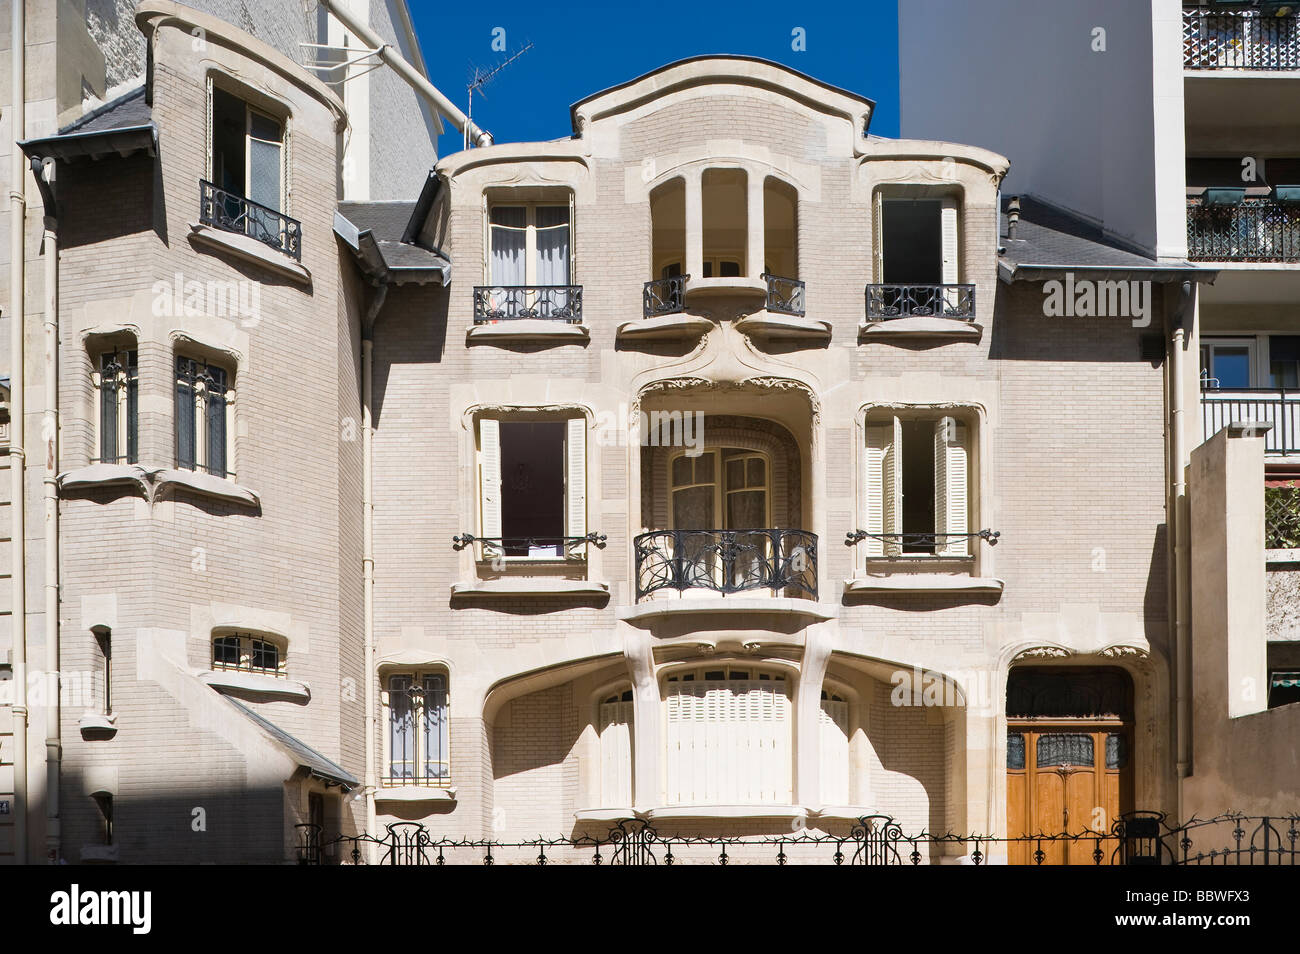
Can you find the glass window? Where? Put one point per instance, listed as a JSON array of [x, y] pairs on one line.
[[419, 743]]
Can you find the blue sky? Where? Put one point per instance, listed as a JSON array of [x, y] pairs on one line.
[[580, 48]]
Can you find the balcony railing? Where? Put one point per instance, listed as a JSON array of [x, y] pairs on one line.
[[537, 547], [924, 543], [726, 561], [917, 301], [1279, 407], [1256, 230], [1256, 39], [664, 296], [494, 303], [784, 295], [234, 213]]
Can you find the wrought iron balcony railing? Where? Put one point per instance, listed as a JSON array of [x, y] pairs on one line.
[[784, 295], [920, 301], [542, 547], [1253, 39], [234, 213], [494, 303], [923, 543], [1257, 230], [1278, 407], [726, 561], [664, 296]]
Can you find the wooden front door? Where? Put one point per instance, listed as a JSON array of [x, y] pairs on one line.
[[1067, 776]]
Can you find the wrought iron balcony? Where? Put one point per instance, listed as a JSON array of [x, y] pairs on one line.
[[542, 547], [1256, 230], [784, 295], [234, 213], [1278, 407], [920, 301], [920, 544], [727, 561], [494, 303], [1253, 39], [664, 296]]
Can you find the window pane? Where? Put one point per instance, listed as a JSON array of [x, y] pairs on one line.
[[735, 473], [693, 509], [401, 728], [682, 471], [747, 510], [553, 246], [756, 472], [1015, 750], [436, 747], [508, 241], [704, 469], [1231, 366], [109, 370], [216, 421], [185, 371], [266, 656], [132, 408], [225, 651]]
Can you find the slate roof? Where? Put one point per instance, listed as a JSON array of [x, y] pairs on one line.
[[129, 109], [303, 753], [122, 126], [384, 224]]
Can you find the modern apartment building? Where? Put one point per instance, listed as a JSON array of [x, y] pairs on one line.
[[1170, 128]]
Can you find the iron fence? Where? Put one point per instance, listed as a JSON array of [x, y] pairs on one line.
[[1254, 39], [920, 301], [1135, 839], [235, 213], [493, 303], [784, 295], [527, 546], [665, 296], [1260, 229], [726, 561]]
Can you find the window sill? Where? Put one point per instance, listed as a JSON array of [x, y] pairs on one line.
[[677, 326], [250, 250], [151, 482], [105, 475], [923, 583], [101, 854], [256, 687], [732, 287], [206, 484], [530, 586], [707, 601], [415, 793], [97, 726], [767, 324], [920, 328], [844, 814], [527, 329]]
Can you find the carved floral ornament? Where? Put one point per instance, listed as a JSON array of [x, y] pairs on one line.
[[1059, 652]]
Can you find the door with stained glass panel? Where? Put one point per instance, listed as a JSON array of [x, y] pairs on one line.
[[722, 489]]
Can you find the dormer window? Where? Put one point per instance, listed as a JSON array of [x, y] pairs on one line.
[[917, 241], [247, 150]]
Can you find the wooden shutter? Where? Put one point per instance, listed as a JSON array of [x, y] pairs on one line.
[[878, 240], [575, 479], [879, 437], [834, 721], [951, 496], [891, 498], [948, 229], [615, 754], [489, 464]]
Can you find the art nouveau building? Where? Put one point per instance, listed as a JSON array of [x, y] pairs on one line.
[[722, 465]]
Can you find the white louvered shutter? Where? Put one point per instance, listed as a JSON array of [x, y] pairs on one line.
[[948, 230], [489, 464], [616, 754], [834, 752], [891, 498], [879, 437], [575, 479], [951, 495], [878, 240]]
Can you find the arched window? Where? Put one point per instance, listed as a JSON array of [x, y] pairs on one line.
[[419, 746], [834, 733], [728, 736], [614, 722], [245, 652]]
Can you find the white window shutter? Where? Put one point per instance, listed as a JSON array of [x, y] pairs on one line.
[[951, 493], [616, 754], [489, 436], [834, 738], [892, 496], [575, 479], [878, 240], [948, 230], [879, 437]]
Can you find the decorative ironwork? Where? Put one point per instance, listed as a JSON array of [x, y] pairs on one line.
[[917, 543], [1015, 750], [1258, 230], [784, 295], [664, 296], [234, 213], [727, 561], [1253, 39], [877, 838], [526, 546], [1281, 518], [494, 303], [1064, 748], [1278, 407], [920, 301]]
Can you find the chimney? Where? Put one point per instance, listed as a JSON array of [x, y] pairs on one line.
[[1013, 216]]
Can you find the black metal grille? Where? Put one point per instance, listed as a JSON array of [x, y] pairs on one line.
[[1257, 230], [920, 301], [784, 295], [119, 372], [512, 302], [727, 561], [665, 296], [1240, 39], [1278, 407], [1135, 839], [915, 543], [234, 213], [526, 546]]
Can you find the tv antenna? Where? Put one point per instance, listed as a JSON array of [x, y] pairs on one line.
[[479, 79]]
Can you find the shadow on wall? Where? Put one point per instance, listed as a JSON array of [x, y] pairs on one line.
[[412, 329]]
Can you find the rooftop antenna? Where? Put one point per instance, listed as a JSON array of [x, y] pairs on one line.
[[479, 79]]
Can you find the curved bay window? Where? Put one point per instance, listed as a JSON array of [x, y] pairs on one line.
[[728, 736], [204, 403], [242, 652], [419, 744]]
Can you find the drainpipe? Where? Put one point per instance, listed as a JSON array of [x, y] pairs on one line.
[[407, 72], [368, 545], [43, 172], [17, 449], [1184, 315]]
